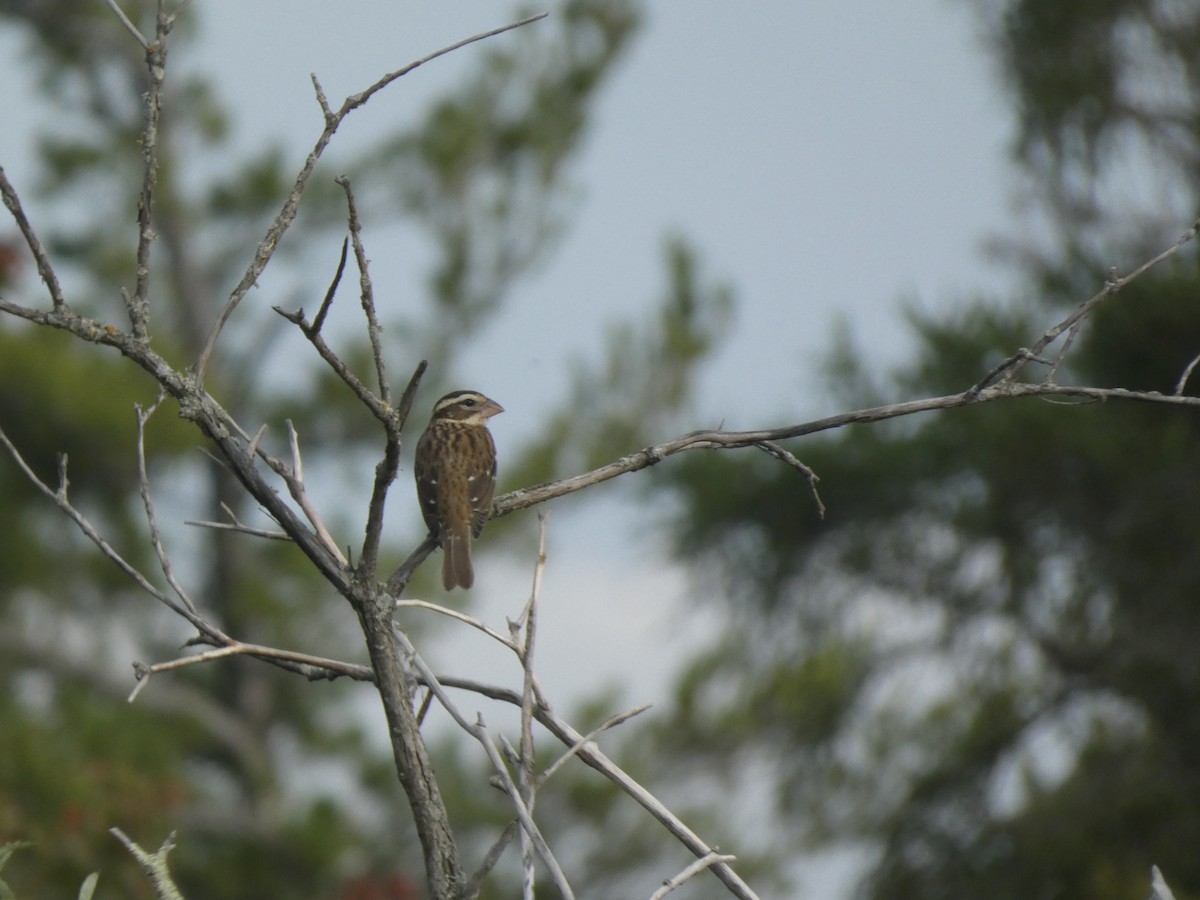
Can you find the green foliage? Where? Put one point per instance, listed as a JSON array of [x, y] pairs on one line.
[[977, 575], [982, 663]]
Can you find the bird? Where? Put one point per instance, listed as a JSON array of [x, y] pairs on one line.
[[455, 471]]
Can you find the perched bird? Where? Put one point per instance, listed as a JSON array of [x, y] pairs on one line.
[[456, 478]]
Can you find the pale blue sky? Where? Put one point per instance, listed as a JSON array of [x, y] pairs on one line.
[[827, 157]]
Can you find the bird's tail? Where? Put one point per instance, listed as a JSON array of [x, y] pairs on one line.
[[456, 561]]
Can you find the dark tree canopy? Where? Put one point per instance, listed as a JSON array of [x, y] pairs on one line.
[[982, 663]]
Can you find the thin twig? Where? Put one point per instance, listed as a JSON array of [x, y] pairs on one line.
[[279, 226], [361, 391], [389, 465], [319, 319], [709, 859], [1159, 889], [501, 843], [164, 560], [13, 203], [1067, 344], [479, 731], [298, 661], [153, 864], [59, 498], [138, 306], [410, 393], [729, 440], [462, 617], [240, 529], [252, 447], [398, 580], [184, 4], [608, 724], [491, 858], [526, 780], [594, 758], [129, 26], [1187, 373], [528, 827], [356, 100], [295, 483], [1009, 369], [367, 291], [785, 456]]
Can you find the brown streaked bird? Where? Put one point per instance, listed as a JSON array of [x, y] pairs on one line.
[[456, 478]]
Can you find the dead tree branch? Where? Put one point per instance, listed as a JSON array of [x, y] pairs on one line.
[[333, 120]]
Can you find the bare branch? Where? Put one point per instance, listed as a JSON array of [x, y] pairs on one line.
[[728, 440], [385, 474], [497, 849], [607, 725], [472, 887], [319, 320], [129, 26], [59, 497], [295, 483], [785, 456], [410, 393], [361, 391], [13, 203], [1012, 366], [1187, 373], [300, 662], [398, 580], [528, 827], [356, 100], [281, 223], [389, 465], [156, 59], [240, 529], [534, 707], [252, 447], [462, 617], [479, 731], [184, 4], [527, 782], [591, 755], [164, 561], [367, 290], [153, 864], [695, 868], [1160, 890]]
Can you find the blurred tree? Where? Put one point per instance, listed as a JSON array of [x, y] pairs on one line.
[[980, 670], [224, 752]]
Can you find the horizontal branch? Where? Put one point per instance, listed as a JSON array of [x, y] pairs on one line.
[[729, 440]]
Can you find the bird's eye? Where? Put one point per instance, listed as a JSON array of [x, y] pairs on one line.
[[470, 401]]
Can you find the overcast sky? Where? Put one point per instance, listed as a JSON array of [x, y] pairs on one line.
[[829, 158]]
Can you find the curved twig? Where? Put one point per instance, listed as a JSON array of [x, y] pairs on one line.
[[281, 223]]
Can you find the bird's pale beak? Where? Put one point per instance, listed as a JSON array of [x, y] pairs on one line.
[[491, 408]]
